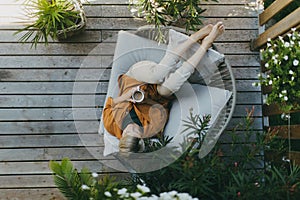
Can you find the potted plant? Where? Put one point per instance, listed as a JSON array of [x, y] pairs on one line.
[[58, 19], [169, 12], [282, 65]]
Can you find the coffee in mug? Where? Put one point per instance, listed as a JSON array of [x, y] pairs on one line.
[[138, 95]]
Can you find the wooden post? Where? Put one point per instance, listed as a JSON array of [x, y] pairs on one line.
[[280, 28]]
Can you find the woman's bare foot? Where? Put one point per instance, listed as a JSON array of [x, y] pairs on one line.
[[216, 31], [202, 33]]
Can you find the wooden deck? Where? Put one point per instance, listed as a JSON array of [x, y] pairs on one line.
[[36, 89]]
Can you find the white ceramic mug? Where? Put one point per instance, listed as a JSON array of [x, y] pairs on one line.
[[138, 95]]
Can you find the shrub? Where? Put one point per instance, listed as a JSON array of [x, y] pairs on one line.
[[231, 171], [235, 170], [169, 12], [51, 19], [282, 57]]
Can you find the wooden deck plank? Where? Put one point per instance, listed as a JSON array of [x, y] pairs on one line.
[[122, 2], [98, 23], [56, 61], [34, 141], [111, 36], [52, 87], [47, 127], [216, 10], [130, 23], [31, 193], [48, 114], [86, 36], [121, 10], [67, 114], [21, 75], [42, 167], [65, 101], [99, 49], [228, 36], [58, 49], [46, 154], [94, 61], [28, 181], [235, 122], [49, 101], [82, 88]]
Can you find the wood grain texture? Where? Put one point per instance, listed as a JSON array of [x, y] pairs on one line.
[[272, 10], [280, 28], [43, 90]]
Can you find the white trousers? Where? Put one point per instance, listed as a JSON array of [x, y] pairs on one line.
[[166, 73]]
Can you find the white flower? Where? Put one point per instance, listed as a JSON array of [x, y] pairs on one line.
[[85, 187], [270, 82], [143, 188], [259, 75], [267, 65], [269, 39], [268, 44], [271, 50], [280, 38], [275, 61], [290, 35], [94, 174], [108, 194], [293, 29], [184, 196], [280, 95], [291, 72], [173, 193], [122, 191], [135, 195], [285, 57], [153, 197], [165, 196], [283, 91], [285, 98], [295, 62], [286, 44], [293, 78]]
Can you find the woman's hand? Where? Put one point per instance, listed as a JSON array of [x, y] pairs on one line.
[[127, 96]]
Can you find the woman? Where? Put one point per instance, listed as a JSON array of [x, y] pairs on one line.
[[130, 120]]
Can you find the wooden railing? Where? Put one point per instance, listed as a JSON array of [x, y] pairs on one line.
[[280, 28]]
